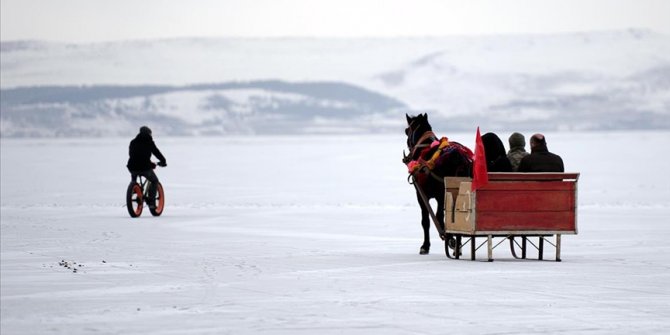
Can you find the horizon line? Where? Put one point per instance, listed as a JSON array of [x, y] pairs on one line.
[[631, 30]]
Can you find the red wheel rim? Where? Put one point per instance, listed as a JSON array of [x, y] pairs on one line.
[[137, 200], [160, 199]]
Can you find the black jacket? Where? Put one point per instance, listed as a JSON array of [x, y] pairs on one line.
[[541, 160], [140, 151]]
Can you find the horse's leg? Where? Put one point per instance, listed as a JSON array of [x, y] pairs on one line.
[[425, 224]]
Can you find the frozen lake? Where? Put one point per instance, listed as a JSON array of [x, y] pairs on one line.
[[316, 235]]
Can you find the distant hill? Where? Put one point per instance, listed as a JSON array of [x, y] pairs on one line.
[[573, 81], [268, 107]]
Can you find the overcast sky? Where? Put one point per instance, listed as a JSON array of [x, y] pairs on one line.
[[104, 20]]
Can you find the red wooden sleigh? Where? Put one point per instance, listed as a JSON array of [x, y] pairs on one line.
[[514, 207]]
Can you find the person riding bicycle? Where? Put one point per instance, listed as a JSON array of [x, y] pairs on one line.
[[140, 150]]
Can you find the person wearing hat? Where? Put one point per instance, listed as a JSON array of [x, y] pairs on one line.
[[139, 163], [540, 159], [517, 150]]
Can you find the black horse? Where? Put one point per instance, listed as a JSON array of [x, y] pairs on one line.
[[429, 168]]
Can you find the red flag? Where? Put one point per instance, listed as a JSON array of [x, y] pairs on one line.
[[480, 175]]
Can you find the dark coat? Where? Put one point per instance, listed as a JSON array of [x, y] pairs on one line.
[[541, 160], [140, 151], [496, 157]]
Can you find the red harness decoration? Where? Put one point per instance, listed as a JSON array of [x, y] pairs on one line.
[[437, 153]]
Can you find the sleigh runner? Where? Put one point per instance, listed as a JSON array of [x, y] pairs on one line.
[[512, 206]]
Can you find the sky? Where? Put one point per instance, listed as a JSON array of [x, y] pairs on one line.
[[113, 20]]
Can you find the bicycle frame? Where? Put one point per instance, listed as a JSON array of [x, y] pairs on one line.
[[144, 184]]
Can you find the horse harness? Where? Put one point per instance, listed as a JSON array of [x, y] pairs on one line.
[[427, 137]]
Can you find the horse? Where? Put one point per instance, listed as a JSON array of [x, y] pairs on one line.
[[430, 160]]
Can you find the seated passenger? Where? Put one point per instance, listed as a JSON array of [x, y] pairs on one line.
[[517, 150], [496, 158], [540, 159]]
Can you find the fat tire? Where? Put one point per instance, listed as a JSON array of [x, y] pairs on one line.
[[134, 189], [159, 201]]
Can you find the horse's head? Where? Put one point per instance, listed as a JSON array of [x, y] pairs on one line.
[[417, 126]]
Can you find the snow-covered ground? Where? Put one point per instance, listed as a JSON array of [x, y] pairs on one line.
[[315, 235]]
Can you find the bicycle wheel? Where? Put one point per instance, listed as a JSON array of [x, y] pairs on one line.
[[134, 201], [160, 201]]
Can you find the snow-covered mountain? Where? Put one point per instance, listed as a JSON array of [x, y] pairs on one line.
[[596, 80], [574, 81], [267, 107]]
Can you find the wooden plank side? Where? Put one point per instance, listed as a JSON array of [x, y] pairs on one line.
[[525, 201], [453, 184], [526, 221], [529, 186]]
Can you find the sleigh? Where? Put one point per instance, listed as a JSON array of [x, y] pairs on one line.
[[517, 207]]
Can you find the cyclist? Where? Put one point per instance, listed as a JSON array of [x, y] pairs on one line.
[[140, 151]]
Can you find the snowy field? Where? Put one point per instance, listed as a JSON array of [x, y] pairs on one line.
[[316, 235]]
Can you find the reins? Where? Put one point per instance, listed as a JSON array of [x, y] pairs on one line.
[[419, 144]]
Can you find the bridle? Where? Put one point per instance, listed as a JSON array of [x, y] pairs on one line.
[[424, 141], [411, 133]]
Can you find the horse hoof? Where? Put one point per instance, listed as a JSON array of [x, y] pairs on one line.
[[424, 251]]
